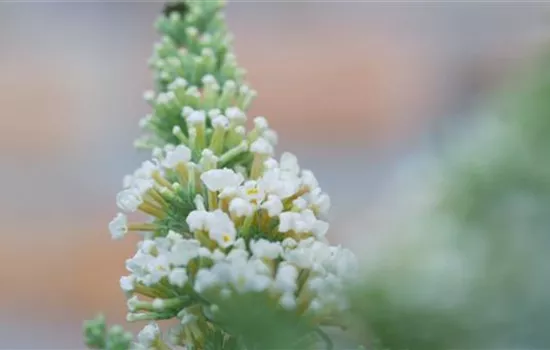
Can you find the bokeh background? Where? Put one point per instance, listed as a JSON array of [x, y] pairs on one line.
[[361, 92]]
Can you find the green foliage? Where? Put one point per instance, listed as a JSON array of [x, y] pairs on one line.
[[488, 235], [96, 335]]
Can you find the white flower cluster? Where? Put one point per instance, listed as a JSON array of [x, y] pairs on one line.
[[226, 217], [259, 230]]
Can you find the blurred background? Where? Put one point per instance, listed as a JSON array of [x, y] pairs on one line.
[[363, 93]]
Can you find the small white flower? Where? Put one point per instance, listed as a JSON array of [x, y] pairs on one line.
[[309, 180], [158, 268], [181, 154], [271, 163], [270, 136], [184, 251], [197, 220], [289, 163], [205, 252], [289, 243], [137, 265], [145, 171], [218, 179], [299, 203], [149, 95], [261, 146], [128, 200], [288, 301], [240, 130], [260, 123], [229, 192], [174, 237], [196, 118], [234, 114], [265, 249], [141, 186], [213, 113], [147, 246], [165, 97], [220, 121], [118, 226], [178, 277], [148, 334], [127, 181], [288, 221], [245, 278], [221, 229], [273, 205], [252, 192], [127, 283], [132, 303], [311, 224], [208, 79], [237, 254], [158, 304], [205, 279], [179, 82], [240, 207], [186, 111], [285, 279], [282, 184]]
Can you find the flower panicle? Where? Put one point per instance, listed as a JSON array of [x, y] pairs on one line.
[[225, 217]]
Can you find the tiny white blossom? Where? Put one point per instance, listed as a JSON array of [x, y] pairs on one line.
[[299, 203], [273, 205], [213, 113], [235, 114], [179, 82], [208, 79], [271, 163], [181, 154], [197, 117], [288, 220], [146, 170], [128, 200], [149, 95], [239, 207], [178, 277], [148, 334], [186, 111], [197, 220], [252, 192], [205, 279], [289, 243], [261, 146], [184, 251], [270, 136], [158, 268], [285, 279], [218, 179], [118, 226], [220, 121], [288, 301], [260, 123], [309, 180], [265, 249], [240, 130], [165, 97], [127, 181], [289, 163], [221, 229], [131, 303], [127, 283]]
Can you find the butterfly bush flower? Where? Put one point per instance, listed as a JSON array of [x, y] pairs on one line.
[[225, 216]]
